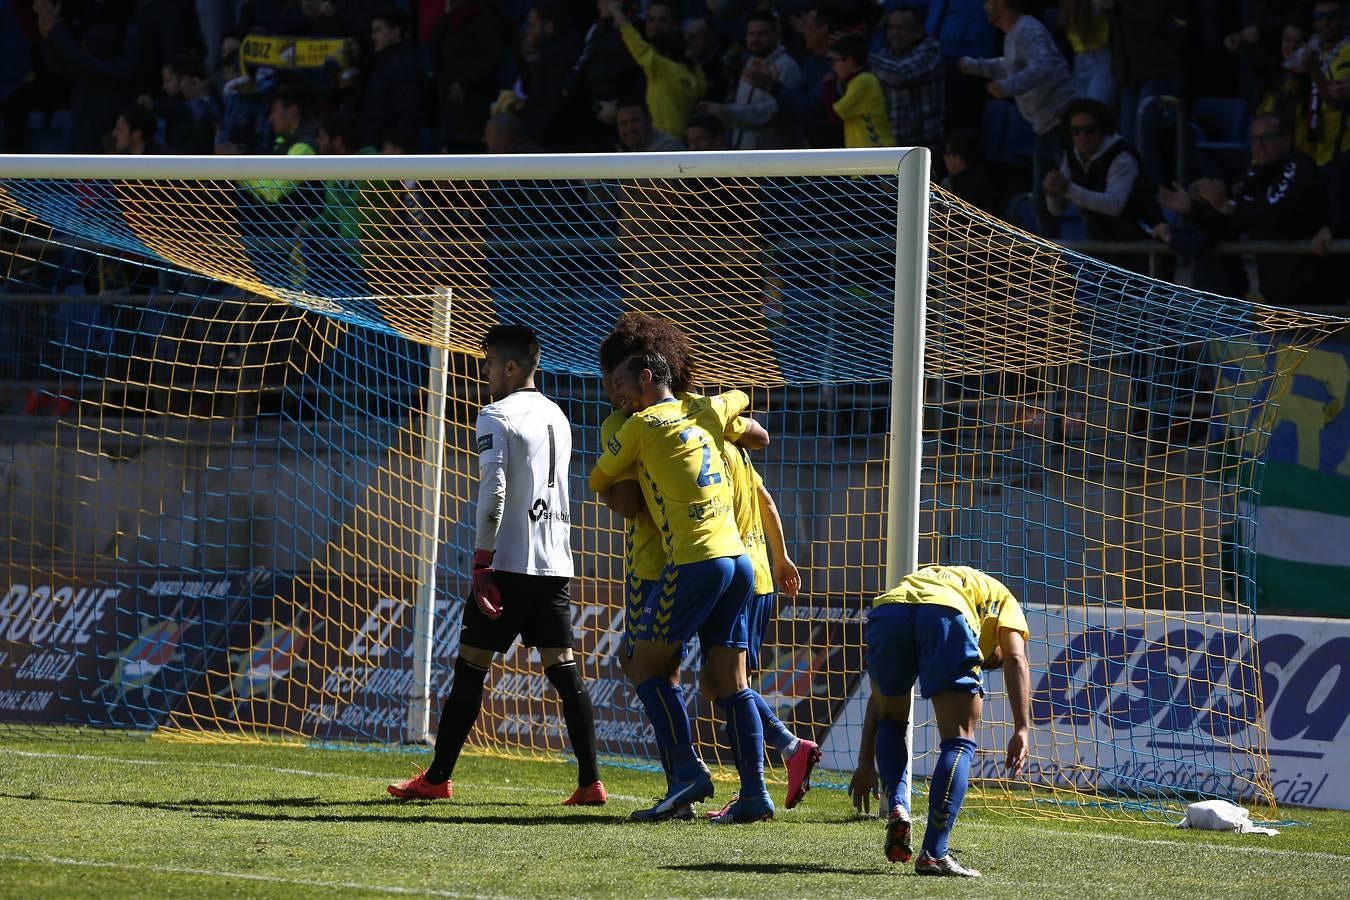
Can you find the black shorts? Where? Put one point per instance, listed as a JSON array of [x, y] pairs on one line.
[[535, 608]]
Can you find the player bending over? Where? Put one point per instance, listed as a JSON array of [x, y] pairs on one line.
[[522, 565], [940, 625], [706, 584]]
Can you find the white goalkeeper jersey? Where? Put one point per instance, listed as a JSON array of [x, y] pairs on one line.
[[524, 511]]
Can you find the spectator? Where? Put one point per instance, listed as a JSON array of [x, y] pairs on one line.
[[660, 18], [910, 70], [470, 42], [861, 105], [702, 52], [162, 30], [962, 29], [967, 175], [604, 73], [216, 19], [506, 133], [1141, 63], [672, 86], [1325, 60], [1101, 175], [1282, 196], [636, 133], [1282, 88], [705, 132], [547, 52], [398, 141], [98, 68], [753, 113], [806, 103], [391, 95], [339, 134], [1089, 34], [1032, 71], [190, 113], [134, 132]]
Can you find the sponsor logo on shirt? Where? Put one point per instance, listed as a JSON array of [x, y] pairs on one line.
[[539, 512], [484, 442]]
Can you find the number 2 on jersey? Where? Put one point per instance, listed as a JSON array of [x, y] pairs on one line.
[[705, 477]]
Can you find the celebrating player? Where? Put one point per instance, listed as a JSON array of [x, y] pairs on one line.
[[940, 625], [522, 565], [761, 530], [754, 510], [706, 584]]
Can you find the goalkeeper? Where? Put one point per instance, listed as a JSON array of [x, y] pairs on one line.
[[522, 567], [939, 626]]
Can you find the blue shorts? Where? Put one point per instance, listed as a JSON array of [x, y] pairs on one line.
[[706, 598], [757, 616], [927, 642]]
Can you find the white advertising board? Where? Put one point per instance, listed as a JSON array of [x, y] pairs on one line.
[[1152, 698]]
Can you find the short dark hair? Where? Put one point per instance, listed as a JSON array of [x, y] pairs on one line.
[[653, 362], [1018, 5], [344, 125], [554, 11], [141, 119], [517, 343], [762, 15], [964, 143], [1087, 106], [403, 138], [636, 333], [187, 63], [850, 46], [707, 121], [298, 95], [394, 18]]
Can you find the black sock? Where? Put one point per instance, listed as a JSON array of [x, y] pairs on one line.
[[580, 718], [457, 718]]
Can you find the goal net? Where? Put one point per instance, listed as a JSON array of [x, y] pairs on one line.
[[239, 480]]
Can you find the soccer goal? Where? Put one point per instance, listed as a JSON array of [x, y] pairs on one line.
[[240, 506]]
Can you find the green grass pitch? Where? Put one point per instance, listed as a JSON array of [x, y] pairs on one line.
[[119, 817]]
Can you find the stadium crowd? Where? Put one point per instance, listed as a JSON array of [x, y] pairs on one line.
[[1183, 121]]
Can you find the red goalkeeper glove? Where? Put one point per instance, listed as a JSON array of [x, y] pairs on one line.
[[485, 592]]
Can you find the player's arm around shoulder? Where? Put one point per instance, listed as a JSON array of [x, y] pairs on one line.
[[618, 454], [729, 405]]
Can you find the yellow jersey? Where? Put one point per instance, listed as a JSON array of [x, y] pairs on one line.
[[677, 446], [745, 482], [985, 602], [644, 556], [863, 111]]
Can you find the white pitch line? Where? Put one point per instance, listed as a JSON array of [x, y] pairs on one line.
[[980, 826], [243, 876]]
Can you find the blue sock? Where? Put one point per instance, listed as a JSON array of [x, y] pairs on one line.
[[776, 734], [747, 741], [664, 703], [951, 777], [666, 765], [893, 764]]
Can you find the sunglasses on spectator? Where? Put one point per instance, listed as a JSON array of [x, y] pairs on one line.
[[1084, 129]]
